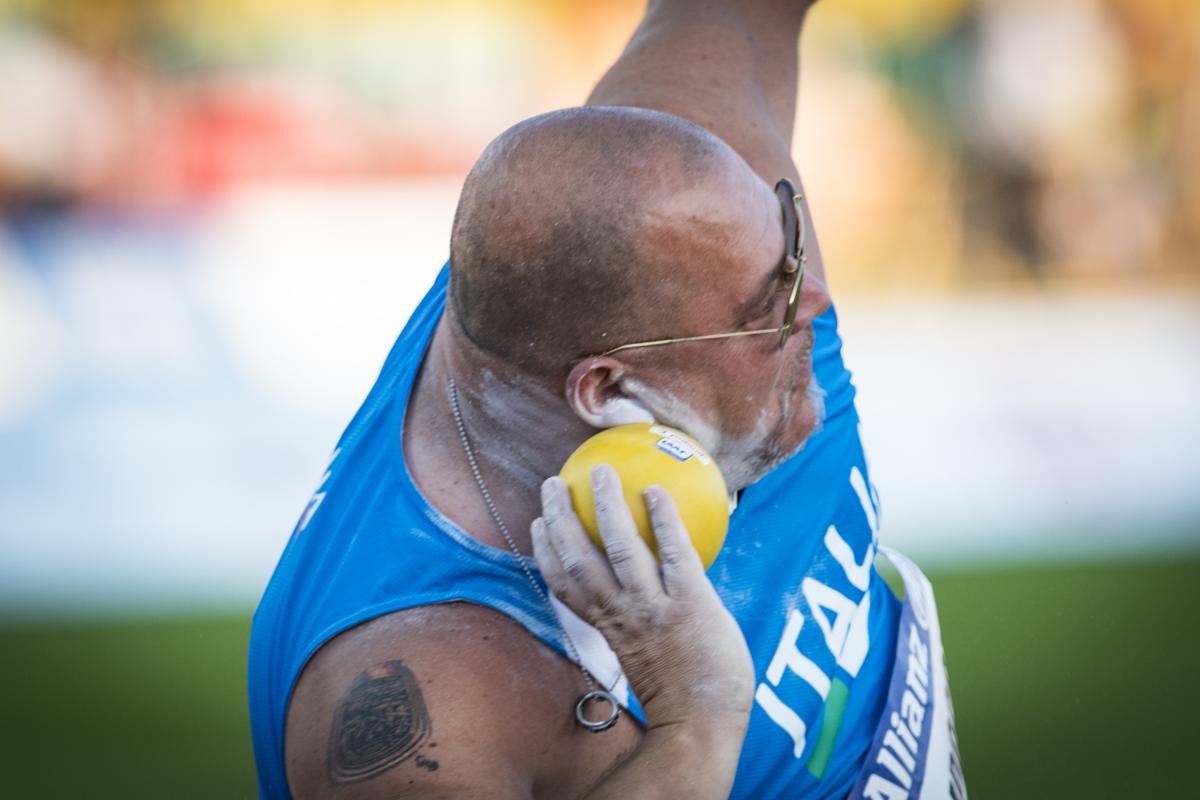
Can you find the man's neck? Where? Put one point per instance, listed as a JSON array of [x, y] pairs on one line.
[[519, 428]]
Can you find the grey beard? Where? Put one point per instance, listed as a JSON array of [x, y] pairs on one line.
[[753, 466]]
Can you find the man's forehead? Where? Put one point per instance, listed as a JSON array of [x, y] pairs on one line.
[[742, 253], [722, 219]]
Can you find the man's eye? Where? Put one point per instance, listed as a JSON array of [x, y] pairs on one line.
[[769, 304]]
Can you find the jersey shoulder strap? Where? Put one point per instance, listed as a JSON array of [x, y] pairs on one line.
[[914, 753]]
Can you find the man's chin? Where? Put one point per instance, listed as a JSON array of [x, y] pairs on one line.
[[815, 396], [754, 466]]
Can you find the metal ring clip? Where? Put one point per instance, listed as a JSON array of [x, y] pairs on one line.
[[601, 725]]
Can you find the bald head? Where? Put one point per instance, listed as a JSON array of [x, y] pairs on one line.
[[571, 237]]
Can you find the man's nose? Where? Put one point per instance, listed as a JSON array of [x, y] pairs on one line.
[[814, 300]]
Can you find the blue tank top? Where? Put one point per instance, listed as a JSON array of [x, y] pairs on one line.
[[797, 572]]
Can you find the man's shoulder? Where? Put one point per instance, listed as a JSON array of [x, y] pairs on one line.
[[445, 698]]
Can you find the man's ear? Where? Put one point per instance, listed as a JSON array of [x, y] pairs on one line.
[[595, 394]]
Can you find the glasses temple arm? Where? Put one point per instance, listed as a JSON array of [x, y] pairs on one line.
[[658, 342]]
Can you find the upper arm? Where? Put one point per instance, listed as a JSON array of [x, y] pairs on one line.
[[440, 701], [731, 68]]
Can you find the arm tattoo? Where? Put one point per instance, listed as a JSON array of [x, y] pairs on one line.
[[381, 722]]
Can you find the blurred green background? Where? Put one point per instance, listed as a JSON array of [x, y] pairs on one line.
[[1069, 681]]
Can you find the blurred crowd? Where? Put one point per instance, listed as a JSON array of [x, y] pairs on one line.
[[946, 143]]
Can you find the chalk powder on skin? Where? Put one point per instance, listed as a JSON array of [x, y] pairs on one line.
[[743, 459]]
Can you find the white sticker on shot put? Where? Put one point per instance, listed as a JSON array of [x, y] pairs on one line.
[[678, 446]]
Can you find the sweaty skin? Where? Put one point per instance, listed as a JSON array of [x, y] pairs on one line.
[[458, 700]]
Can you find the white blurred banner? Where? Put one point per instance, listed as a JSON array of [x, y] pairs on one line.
[[170, 389]]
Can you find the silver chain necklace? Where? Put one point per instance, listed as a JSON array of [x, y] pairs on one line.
[[594, 691]]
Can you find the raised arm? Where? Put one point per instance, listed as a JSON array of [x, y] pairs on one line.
[[731, 66]]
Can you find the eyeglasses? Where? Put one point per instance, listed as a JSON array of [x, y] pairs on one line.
[[792, 269]]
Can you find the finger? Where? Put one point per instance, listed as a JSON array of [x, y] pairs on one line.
[[630, 558], [551, 567], [585, 567], [682, 569]]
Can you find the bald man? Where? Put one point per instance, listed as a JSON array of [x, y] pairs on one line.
[[439, 626]]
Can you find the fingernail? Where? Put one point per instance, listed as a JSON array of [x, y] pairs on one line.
[[651, 497], [598, 478], [547, 493]]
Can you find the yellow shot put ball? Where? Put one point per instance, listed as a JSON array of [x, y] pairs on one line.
[[643, 455]]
